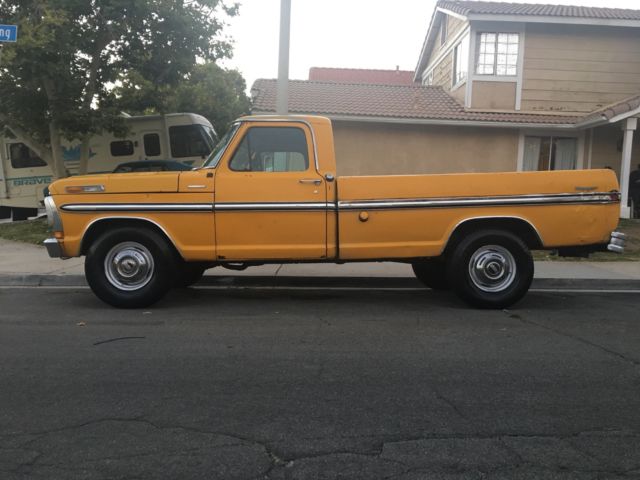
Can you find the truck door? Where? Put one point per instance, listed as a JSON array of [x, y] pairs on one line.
[[270, 201]]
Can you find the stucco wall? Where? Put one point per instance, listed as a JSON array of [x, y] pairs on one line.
[[579, 68], [382, 149], [494, 95]]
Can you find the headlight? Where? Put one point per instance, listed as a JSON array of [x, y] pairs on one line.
[[53, 217]]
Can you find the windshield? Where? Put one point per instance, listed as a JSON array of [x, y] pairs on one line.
[[214, 157]]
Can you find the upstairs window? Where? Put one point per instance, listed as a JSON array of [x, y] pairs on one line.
[[497, 54], [461, 61]]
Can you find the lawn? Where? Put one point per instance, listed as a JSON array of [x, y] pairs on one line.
[[29, 231], [35, 231], [631, 228]]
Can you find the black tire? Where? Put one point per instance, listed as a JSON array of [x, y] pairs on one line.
[[432, 272], [20, 214], [142, 266], [503, 269], [188, 273]]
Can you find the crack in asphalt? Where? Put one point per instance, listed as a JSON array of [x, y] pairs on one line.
[[572, 336], [451, 404], [282, 460]]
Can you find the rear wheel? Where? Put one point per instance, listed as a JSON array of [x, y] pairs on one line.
[[130, 267], [188, 273], [432, 272], [490, 269]]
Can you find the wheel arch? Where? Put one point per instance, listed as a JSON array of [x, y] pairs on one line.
[[100, 225], [519, 226]]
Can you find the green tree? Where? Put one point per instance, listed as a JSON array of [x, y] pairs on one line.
[[209, 90], [57, 80]]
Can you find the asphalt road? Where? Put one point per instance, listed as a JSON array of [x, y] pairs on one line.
[[287, 384]]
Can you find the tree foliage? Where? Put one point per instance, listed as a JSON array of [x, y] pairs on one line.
[[58, 79], [209, 90]]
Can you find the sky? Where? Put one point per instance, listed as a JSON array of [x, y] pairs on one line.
[[341, 33]]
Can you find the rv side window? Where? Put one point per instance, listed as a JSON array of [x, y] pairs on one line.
[[152, 144], [23, 157], [121, 148], [190, 141]]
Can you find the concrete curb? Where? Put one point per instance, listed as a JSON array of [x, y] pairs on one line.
[[36, 280]]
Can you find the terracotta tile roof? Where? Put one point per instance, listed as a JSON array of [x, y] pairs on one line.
[[415, 102], [466, 7], [358, 75], [610, 111]]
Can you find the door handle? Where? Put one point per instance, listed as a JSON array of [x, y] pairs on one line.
[[314, 181]]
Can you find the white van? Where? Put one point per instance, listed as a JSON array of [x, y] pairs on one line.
[[185, 137]]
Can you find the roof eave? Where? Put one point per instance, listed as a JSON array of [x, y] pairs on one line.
[[434, 121], [427, 46], [604, 22]]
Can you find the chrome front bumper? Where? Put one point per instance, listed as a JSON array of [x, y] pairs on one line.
[[54, 249], [616, 244]]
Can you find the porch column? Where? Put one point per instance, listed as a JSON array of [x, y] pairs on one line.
[[629, 126]]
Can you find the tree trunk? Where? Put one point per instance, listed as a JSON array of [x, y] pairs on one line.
[[84, 155], [56, 151]]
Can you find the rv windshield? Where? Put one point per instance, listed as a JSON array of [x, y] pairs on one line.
[[214, 157]]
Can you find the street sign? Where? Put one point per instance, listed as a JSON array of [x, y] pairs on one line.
[[8, 33]]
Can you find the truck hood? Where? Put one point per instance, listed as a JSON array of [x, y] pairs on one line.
[[143, 182]]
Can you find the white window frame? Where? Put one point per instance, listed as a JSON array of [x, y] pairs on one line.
[[456, 83], [444, 30], [578, 135], [496, 54], [429, 79]]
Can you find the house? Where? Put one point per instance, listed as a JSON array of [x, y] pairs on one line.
[[499, 87]]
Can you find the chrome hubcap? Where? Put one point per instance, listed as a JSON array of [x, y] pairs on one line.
[[492, 268], [129, 266]]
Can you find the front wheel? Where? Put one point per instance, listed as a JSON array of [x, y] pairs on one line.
[[490, 269], [130, 267]]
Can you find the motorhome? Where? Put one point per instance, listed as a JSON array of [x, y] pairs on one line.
[[185, 137]]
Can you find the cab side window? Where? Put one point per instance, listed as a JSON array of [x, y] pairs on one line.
[[272, 149]]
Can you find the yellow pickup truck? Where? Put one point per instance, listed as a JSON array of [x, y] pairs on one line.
[[269, 193]]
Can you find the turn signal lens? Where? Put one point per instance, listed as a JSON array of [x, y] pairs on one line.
[[615, 196], [84, 188]]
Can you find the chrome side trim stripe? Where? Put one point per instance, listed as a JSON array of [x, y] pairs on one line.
[[138, 207], [227, 207], [196, 207], [500, 201]]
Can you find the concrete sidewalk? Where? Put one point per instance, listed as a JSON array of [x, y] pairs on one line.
[[20, 259]]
